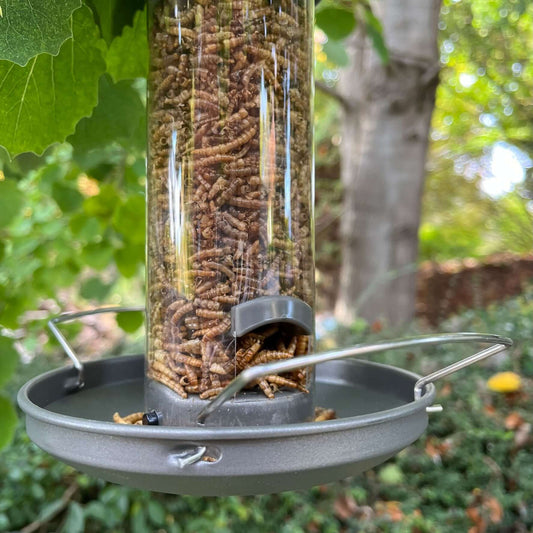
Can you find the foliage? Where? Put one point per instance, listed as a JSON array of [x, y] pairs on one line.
[[472, 469], [483, 103]]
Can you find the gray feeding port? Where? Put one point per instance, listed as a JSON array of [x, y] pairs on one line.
[[380, 410]]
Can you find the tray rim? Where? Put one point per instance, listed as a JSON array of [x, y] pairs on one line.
[[205, 434]]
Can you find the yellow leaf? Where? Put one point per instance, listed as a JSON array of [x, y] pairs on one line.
[[505, 382]]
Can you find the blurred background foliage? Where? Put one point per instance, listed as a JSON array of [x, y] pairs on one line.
[[72, 236]]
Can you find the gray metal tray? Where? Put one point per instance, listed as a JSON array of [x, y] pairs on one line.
[[377, 418], [380, 409]]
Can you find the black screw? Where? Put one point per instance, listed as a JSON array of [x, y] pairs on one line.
[[152, 418]]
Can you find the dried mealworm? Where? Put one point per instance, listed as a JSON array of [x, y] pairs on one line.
[[171, 384], [129, 419], [265, 387], [213, 265], [301, 345], [284, 382], [215, 331], [211, 392], [186, 359], [227, 147], [207, 313], [265, 356], [181, 312]]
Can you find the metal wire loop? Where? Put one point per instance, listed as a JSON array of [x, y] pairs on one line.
[[79, 381]]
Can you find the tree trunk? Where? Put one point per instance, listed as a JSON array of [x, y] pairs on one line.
[[383, 153]]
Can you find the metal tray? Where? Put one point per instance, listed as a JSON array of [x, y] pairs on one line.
[[381, 410], [377, 418]]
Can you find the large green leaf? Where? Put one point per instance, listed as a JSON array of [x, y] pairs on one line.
[[32, 27], [114, 119], [43, 101], [11, 201], [128, 54], [336, 21], [8, 421], [8, 360]]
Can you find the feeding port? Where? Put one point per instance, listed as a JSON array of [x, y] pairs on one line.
[[230, 208]]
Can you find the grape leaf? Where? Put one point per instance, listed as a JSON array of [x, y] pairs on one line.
[[67, 197], [128, 54], [113, 15], [130, 322], [128, 258], [103, 10], [32, 27], [94, 289], [43, 101], [97, 255], [115, 118], [11, 201], [336, 52], [337, 22], [8, 421], [129, 219], [8, 360]]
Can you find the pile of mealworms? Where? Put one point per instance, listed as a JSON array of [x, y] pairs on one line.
[[321, 415], [229, 186]]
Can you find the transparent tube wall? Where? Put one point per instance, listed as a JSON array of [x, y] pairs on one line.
[[230, 186]]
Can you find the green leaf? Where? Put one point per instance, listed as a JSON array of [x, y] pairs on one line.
[[127, 57], [8, 421], [130, 322], [29, 28], [103, 10], [67, 197], [114, 119], [129, 219], [11, 201], [43, 101], [156, 513], [103, 204], [8, 360], [391, 474], [138, 519], [375, 31], [75, 521], [337, 22], [94, 289], [128, 259], [336, 52], [113, 15], [97, 256]]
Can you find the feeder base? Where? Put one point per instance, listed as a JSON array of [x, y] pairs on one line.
[[250, 408], [377, 417]]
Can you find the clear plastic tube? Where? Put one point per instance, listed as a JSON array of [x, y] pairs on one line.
[[230, 186]]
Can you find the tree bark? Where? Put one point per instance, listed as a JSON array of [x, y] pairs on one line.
[[383, 154]]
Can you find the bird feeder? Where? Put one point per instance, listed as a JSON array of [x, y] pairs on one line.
[[230, 380]]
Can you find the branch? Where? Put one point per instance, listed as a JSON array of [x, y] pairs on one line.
[[326, 89], [65, 499]]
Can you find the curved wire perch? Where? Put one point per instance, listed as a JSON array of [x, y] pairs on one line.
[[250, 374], [69, 317], [499, 344]]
